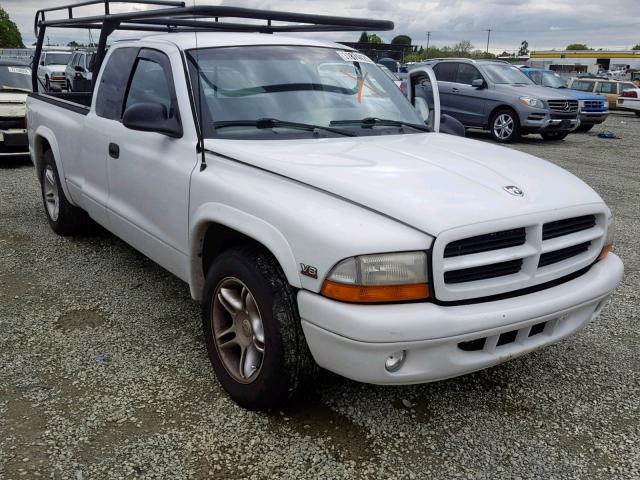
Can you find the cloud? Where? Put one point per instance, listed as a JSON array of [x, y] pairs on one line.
[[543, 23]]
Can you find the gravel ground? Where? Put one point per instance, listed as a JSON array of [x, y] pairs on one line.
[[104, 373]]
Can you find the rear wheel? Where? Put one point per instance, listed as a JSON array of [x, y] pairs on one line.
[[554, 136], [505, 126], [252, 330], [64, 218], [585, 128]]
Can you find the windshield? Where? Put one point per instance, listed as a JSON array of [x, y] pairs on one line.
[[240, 87], [56, 58], [503, 73], [15, 77], [553, 80]]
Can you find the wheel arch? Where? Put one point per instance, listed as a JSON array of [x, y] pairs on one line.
[[43, 140], [497, 108], [217, 227]]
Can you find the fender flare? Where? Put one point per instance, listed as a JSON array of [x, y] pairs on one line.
[[47, 134], [245, 223]]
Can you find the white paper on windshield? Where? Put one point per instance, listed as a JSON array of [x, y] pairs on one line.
[[23, 71], [354, 57]]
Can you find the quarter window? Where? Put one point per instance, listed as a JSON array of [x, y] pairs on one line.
[[113, 83]]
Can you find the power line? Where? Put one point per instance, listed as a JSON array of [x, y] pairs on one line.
[[488, 37]]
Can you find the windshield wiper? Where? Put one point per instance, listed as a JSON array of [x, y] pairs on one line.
[[263, 123], [369, 122]]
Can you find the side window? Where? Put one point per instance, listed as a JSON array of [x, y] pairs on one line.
[[72, 62], [582, 85], [113, 83], [467, 74], [606, 87], [536, 77], [149, 85], [446, 71]]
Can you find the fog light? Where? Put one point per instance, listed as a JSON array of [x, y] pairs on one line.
[[395, 361]]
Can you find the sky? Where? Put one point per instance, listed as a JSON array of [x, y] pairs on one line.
[[545, 24]]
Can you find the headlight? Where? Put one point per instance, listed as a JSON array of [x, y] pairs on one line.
[[608, 241], [386, 277], [532, 102]]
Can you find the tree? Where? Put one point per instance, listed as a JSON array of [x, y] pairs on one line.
[[401, 40], [463, 49], [636, 47], [524, 49], [373, 38], [577, 46], [9, 34], [364, 38], [74, 44]]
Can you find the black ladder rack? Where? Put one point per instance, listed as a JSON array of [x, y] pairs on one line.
[[174, 16]]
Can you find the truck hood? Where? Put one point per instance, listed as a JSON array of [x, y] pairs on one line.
[[534, 91], [578, 95], [53, 68], [429, 181]]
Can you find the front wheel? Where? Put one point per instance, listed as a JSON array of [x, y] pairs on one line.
[[554, 136], [47, 84], [69, 86], [252, 330], [505, 126]]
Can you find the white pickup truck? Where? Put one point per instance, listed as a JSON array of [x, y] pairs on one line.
[[315, 215]]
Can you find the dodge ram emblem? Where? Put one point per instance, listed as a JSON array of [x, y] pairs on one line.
[[513, 190]]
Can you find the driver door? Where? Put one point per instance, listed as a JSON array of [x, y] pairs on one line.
[[149, 173]]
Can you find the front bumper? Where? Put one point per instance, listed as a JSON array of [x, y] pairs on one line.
[[593, 118], [549, 124], [355, 340], [13, 142]]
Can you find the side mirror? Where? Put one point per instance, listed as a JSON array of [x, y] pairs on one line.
[[42, 62], [478, 83], [452, 126], [79, 68], [152, 117]]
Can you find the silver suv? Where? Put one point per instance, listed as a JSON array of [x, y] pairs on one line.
[[496, 96]]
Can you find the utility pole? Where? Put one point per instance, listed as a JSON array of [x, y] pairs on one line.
[[428, 38], [488, 37]]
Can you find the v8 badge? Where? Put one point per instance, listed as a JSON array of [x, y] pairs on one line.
[[308, 270]]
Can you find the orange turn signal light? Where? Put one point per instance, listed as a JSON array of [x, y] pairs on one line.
[[603, 253], [375, 293]]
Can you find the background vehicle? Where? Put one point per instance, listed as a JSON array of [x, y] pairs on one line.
[[630, 100], [498, 97], [78, 72], [314, 214], [594, 109], [607, 88], [15, 84], [51, 69]]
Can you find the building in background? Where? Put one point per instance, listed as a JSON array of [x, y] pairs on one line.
[[571, 62]]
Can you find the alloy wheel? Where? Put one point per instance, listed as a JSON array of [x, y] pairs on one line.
[[51, 193], [503, 126], [237, 329]]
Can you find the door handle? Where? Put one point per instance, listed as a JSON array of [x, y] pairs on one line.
[[114, 150], [455, 90]]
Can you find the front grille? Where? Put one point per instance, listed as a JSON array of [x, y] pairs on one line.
[[567, 226], [7, 123], [562, 254], [593, 105], [514, 257], [563, 105], [485, 243], [481, 273]]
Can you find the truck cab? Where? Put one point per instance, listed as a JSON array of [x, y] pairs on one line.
[[594, 109]]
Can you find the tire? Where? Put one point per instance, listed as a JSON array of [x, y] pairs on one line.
[[585, 128], [69, 89], [47, 84], [64, 218], [554, 136], [261, 319], [638, 114], [505, 126]]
